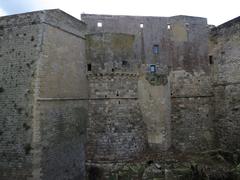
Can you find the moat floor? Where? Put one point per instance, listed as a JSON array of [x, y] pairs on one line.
[[209, 165]]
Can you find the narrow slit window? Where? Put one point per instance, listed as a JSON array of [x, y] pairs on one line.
[[89, 67], [210, 60], [155, 49], [99, 24], [141, 25]]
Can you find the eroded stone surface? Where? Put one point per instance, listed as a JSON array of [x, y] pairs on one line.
[[135, 89]]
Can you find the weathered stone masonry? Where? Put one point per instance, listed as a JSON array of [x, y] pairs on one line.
[[182, 61], [113, 89], [20, 43], [116, 130], [43, 107], [225, 61]]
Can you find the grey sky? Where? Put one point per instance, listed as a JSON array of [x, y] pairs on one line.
[[217, 11]]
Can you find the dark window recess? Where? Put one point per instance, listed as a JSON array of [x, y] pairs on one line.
[[124, 63], [1, 89], [117, 93], [152, 68], [89, 67], [210, 60], [156, 49], [113, 69]]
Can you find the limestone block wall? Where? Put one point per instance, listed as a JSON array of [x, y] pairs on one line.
[[20, 44], [153, 32], [192, 111], [192, 129], [154, 98], [116, 131], [188, 37], [56, 84], [62, 129], [181, 43], [225, 57], [155, 102], [61, 109], [109, 53], [191, 92], [43, 96]]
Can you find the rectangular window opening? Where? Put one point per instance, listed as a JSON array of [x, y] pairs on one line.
[[141, 25], [210, 60], [89, 67], [155, 49], [169, 26], [99, 24], [152, 68]]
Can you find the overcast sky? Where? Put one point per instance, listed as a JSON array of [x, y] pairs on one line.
[[217, 11]]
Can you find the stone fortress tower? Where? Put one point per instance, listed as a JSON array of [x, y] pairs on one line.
[[116, 130], [176, 50], [113, 89]]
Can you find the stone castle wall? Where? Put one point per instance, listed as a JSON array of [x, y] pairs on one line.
[[182, 43], [225, 57], [191, 91], [154, 99], [61, 109], [153, 31], [61, 88], [43, 124], [116, 130], [20, 44]]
